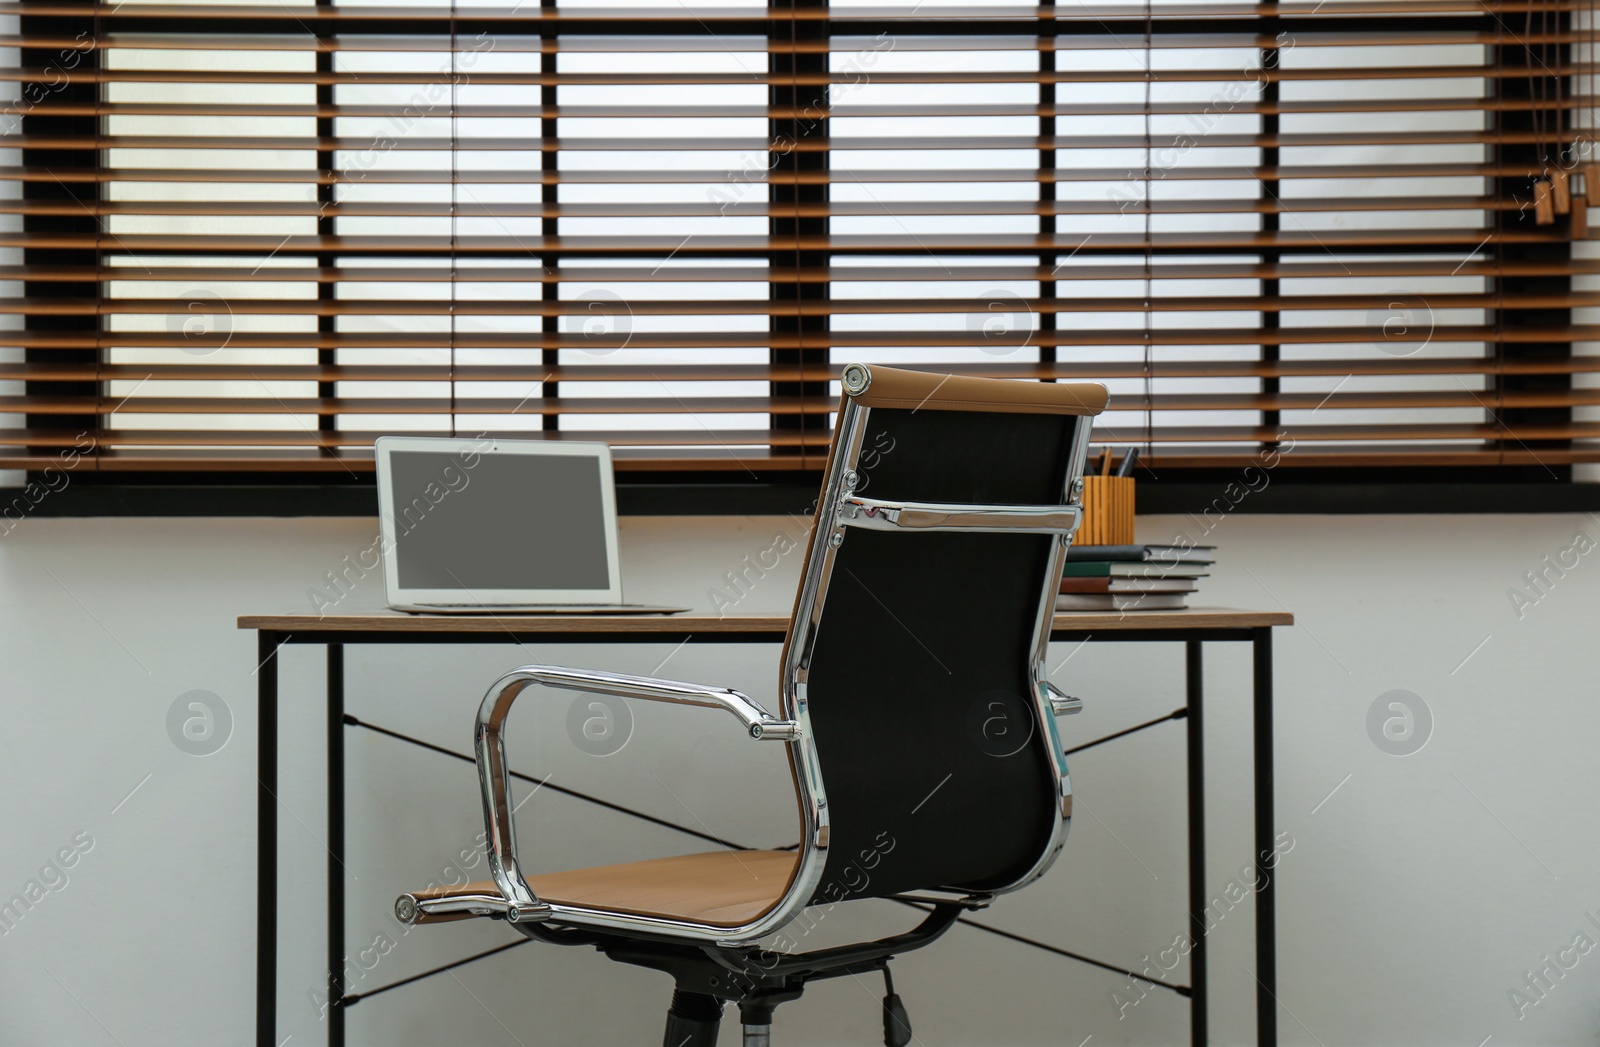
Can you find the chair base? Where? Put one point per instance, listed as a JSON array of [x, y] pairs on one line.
[[707, 977]]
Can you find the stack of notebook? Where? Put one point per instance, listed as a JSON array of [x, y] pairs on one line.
[[1132, 577]]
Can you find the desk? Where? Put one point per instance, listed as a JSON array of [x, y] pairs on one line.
[[1190, 627]]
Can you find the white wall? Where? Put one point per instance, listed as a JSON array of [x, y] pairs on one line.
[[1415, 896]]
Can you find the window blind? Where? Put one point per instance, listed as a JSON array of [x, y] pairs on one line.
[[250, 238]]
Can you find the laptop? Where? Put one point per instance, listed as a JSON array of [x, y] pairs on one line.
[[478, 526]]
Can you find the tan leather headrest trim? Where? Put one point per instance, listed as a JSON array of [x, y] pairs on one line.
[[896, 387]]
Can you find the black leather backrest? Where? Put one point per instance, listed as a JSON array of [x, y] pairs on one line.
[[935, 767]]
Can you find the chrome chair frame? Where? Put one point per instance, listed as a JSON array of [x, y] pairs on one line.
[[839, 511]]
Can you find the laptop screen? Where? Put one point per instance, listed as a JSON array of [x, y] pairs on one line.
[[511, 521]]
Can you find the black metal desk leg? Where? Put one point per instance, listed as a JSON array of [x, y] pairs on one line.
[[1194, 680], [267, 646], [336, 951], [1266, 897]]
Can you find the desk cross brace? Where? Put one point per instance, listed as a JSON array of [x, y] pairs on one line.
[[353, 998], [347, 1000]]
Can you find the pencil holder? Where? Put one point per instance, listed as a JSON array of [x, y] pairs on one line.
[[1107, 511]]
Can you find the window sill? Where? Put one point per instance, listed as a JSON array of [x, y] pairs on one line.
[[793, 496]]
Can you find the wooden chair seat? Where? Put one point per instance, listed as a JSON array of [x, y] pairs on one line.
[[720, 888]]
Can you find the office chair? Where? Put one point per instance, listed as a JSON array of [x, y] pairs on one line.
[[914, 710]]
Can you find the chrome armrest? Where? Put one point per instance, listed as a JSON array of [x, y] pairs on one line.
[[500, 835], [880, 515], [1062, 704], [409, 908]]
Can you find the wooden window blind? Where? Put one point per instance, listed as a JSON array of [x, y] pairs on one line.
[[249, 238]]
